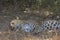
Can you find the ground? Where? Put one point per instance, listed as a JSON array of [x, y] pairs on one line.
[[7, 34], [8, 13]]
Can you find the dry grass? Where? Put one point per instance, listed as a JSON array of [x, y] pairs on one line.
[[8, 35], [18, 36]]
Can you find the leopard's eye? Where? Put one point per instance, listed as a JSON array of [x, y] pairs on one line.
[[12, 23]]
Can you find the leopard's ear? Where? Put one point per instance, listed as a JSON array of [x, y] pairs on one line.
[[17, 17]]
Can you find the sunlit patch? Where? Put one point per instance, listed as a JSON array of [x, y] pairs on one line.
[[28, 27]]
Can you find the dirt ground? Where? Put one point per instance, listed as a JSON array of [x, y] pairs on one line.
[[7, 34], [8, 13]]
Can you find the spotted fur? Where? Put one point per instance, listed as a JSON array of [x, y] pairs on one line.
[[50, 25]]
